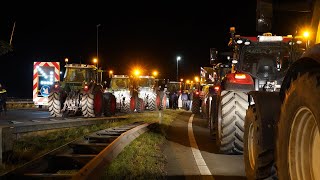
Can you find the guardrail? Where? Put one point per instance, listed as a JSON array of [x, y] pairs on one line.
[[13, 103]]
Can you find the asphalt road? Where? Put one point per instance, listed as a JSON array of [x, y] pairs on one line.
[[18, 116], [197, 158]]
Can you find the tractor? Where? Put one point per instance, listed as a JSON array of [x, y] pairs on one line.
[[79, 94], [145, 89], [258, 63], [121, 87]]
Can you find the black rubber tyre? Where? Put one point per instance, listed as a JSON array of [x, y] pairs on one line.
[[298, 136], [152, 102], [204, 111], [140, 105], [110, 105], [258, 161], [230, 124], [55, 104], [91, 104], [213, 117], [195, 108], [125, 107]]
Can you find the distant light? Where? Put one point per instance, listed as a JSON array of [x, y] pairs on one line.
[[196, 79], [181, 79], [66, 60], [178, 58], [60, 72], [155, 73], [239, 41], [247, 43], [306, 34], [234, 61], [137, 72], [270, 38]]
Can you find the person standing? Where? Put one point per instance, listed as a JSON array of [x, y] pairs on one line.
[[3, 100]]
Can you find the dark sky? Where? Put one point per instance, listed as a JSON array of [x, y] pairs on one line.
[[147, 34]]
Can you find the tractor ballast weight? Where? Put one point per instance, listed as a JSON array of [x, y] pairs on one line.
[[79, 94]]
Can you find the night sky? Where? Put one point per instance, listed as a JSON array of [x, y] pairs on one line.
[[150, 35]]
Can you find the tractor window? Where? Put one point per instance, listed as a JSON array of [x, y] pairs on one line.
[[260, 59], [79, 75], [75, 75], [146, 82], [119, 83]]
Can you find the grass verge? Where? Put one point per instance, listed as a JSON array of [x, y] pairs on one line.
[[143, 158], [34, 145]]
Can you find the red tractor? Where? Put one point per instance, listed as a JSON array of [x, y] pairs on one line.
[[258, 63]]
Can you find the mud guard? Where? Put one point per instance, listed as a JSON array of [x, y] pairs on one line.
[[268, 108]]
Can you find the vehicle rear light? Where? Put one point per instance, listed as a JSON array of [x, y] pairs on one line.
[[217, 88], [86, 87], [240, 76]]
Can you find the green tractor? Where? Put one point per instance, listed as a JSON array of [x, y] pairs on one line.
[[121, 87], [79, 94]]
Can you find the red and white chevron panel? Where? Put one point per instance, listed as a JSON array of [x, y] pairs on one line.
[[40, 100]]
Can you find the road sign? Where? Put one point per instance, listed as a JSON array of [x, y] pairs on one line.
[[45, 90]]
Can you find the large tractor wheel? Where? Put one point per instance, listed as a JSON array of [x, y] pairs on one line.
[[213, 117], [110, 105], [55, 104], [140, 105], [152, 102], [132, 104], [259, 162], [125, 106], [195, 108], [91, 104], [298, 136], [230, 124], [205, 108]]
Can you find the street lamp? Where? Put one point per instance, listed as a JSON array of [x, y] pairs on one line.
[[155, 73], [98, 43], [95, 61], [178, 59], [110, 73]]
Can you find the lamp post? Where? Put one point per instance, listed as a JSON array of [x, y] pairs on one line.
[[98, 44], [98, 81], [178, 59]]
